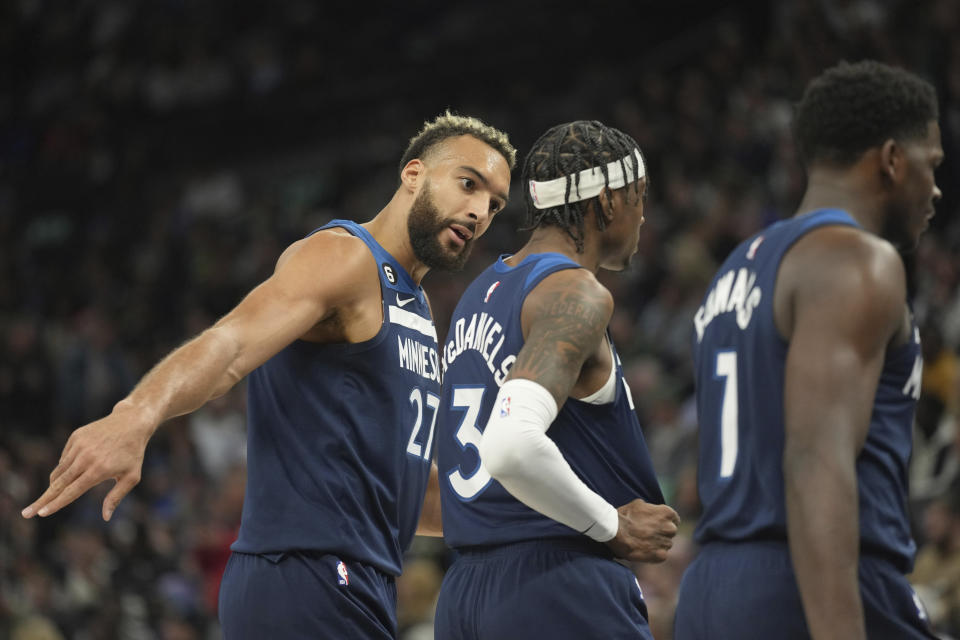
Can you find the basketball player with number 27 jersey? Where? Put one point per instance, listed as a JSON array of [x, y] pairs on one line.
[[344, 388]]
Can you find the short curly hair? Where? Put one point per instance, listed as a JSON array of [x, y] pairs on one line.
[[451, 125], [565, 150], [850, 108]]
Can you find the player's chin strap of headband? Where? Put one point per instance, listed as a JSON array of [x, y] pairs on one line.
[[552, 193]]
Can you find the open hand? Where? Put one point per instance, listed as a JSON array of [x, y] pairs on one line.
[[112, 447]]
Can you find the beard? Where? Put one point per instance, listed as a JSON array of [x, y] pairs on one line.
[[424, 225]]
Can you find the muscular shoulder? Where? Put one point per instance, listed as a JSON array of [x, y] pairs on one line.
[[571, 293], [846, 259], [333, 261], [330, 246], [843, 268], [564, 319]]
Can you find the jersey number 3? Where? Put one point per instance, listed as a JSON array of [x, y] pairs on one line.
[[467, 487], [729, 411]]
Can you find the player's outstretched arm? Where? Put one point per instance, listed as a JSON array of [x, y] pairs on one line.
[[308, 283], [565, 319], [848, 302]]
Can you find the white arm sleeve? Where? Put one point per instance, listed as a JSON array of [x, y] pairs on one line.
[[516, 451]]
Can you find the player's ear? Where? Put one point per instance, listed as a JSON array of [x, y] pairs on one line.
[[605, 199], [412, 174], [892, 162]]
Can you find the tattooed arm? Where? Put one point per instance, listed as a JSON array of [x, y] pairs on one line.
[[564, 321]]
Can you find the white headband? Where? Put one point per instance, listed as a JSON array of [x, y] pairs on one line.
[[553, 192]]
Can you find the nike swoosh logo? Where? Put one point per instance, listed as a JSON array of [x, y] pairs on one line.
[[401, 303]]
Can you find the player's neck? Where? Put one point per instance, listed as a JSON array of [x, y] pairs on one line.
[[389, 229], [847, 190], [556, 240]]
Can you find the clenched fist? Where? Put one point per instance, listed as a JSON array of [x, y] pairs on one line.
[[646, 531]]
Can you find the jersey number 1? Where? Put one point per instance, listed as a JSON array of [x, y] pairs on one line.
[[729, 411]]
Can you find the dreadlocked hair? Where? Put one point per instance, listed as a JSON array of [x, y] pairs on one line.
[[850, 108], [566, 150], [451, 125]]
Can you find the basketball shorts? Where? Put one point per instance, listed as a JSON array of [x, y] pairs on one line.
[[557, 589], [303, 594], [747, 591]]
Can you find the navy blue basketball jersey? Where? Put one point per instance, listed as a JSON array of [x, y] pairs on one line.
[[603, 443], [739, 358], [341, 435]]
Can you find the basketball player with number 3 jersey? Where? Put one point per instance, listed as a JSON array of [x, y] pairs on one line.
[[545, 477]]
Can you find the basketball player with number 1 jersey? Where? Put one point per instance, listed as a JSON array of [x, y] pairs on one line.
[[807, 361]]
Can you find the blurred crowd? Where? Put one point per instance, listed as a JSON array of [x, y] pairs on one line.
[[156, 156]]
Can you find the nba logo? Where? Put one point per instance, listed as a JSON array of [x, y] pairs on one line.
[[490, 291], [505, 407], [343, 578]]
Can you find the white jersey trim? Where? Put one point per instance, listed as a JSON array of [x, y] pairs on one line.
[[608, 392], [413, 321]]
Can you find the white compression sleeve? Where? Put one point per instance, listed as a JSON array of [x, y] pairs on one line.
[[517, 452]]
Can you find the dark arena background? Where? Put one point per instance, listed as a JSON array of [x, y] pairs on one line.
[[157, 155]]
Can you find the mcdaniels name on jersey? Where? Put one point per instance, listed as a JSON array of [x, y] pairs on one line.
[[484, 335]]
